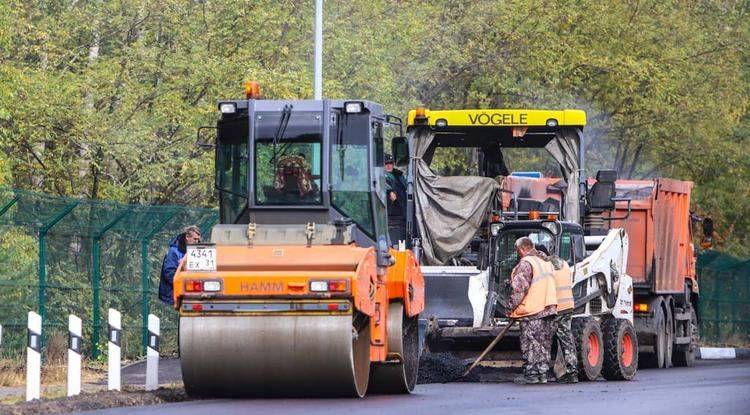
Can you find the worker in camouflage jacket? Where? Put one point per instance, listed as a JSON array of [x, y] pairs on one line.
[[533, 302], [561, 323]]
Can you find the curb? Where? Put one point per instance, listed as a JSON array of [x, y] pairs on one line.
[[721, 353]]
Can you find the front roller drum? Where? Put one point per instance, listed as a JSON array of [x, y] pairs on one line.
[[275, 356], [399, 376]]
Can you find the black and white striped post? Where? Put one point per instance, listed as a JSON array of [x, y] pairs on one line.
[[33, 356], [114, 350], [152, 353], [74, 355]]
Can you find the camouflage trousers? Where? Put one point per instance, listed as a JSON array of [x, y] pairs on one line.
[[536, 340], [566, 343]]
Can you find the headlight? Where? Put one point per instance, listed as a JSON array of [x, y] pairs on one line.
[[227, 108], [337, 286], [353, 107], [496, 227], [211, 286], [318, 286], [551, 122], [551, 226]]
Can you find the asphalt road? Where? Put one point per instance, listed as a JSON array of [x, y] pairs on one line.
[[711, 387]]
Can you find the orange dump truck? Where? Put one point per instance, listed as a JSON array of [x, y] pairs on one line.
[[299, 292], [661, 262]]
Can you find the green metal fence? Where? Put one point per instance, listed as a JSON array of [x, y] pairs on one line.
[[724, 299], [61, 256]]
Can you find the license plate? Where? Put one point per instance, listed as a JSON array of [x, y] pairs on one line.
[[201, 258]]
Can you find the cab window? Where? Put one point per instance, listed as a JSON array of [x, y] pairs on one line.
[[507, 257], [350, 175], [288, 154], [566, 247], [572, 247], [231, 166]]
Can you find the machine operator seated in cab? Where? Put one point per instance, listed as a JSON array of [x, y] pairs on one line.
[[289, 179], [294, 176]]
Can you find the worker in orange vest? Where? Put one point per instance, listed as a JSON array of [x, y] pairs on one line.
[[533, 300], [561, 323]]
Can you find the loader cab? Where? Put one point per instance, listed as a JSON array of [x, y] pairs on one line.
[[303, 161], [564, 239], [561, 238]]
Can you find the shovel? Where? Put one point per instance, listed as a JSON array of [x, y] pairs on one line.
[[490, 347]]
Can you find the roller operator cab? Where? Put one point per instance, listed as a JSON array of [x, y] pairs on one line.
[[299, 292]]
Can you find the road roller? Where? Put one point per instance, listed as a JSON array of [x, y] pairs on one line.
[[301, 291]]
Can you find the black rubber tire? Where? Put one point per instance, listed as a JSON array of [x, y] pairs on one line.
[[616, 333], [584, 328], [669, 336], [686, 358], [656, 359], [398, 378]]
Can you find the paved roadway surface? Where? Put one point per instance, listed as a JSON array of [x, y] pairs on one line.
[[711, 387]]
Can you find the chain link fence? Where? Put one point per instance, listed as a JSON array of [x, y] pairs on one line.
[[65, 256], [724, 299]]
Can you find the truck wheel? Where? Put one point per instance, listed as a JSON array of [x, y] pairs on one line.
[[590, 347], [669, 336], [656, 359], [686, 358], [620, 350]]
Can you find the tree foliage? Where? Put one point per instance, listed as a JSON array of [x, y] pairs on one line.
[[102, 99]]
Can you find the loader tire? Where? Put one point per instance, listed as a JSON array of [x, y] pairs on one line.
[[589, 346], [686, 357], [620, 350], [398, 377]]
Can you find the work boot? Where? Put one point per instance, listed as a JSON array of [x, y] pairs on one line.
[[530, 380], [568, 378]]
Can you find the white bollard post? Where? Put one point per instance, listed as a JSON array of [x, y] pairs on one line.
[[152, 353], [34, 357], [1, 334], [113, 349], [75, 333]]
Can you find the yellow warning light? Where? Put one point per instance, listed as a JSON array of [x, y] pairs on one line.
[[252, 90], [420, 115]]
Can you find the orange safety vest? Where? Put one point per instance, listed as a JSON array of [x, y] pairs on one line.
[[542, 291], [563, 281]]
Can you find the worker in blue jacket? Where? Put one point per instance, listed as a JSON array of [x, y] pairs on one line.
[[177, 249]]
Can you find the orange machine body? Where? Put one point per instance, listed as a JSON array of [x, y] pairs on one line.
[[661, 255], [280, 277]]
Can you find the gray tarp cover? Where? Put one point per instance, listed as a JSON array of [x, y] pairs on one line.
[[449, 210], [564, 149]]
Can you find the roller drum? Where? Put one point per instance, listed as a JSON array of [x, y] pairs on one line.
[[275, 355]]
